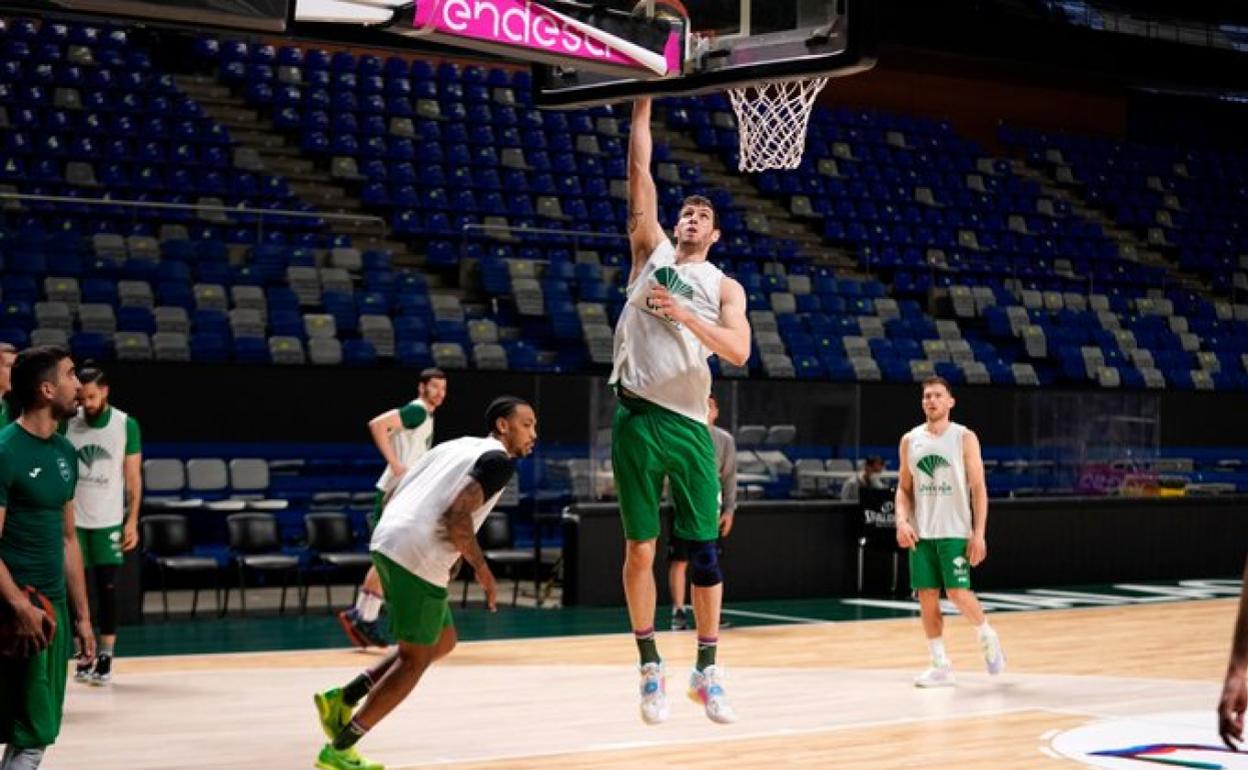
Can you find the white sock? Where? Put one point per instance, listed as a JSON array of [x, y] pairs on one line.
[[368, 605], [937, 648], [984, 630]]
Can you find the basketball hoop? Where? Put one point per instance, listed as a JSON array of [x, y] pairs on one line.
[[772, 119]]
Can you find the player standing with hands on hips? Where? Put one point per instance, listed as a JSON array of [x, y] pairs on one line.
[[942, 517]]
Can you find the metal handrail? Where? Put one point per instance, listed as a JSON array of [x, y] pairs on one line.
[[237, 210], [470, 228]]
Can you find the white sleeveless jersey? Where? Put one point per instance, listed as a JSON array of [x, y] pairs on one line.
[[99, 499], [410, 444], [656, 359], [410, 532], [942, 502]]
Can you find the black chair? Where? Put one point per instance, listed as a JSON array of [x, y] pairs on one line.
[[255, 545], [500, 551], [331, 545], [167, 544]]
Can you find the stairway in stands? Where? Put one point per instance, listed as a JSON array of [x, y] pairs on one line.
[[251, 129], [1130, 245]]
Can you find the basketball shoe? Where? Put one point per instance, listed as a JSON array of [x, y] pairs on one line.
[[332, 711], [654, 707], [347, 759], [706, 688], [936, 676]]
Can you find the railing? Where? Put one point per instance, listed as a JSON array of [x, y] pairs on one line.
[[199, 208], [576, 235], [1175, 30]]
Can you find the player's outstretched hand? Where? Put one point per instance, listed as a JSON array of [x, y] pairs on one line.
[[486, 579], [976, 550], [1231, 710], [906, 536]]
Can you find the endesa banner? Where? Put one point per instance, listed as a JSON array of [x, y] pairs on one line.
[[527, 30]]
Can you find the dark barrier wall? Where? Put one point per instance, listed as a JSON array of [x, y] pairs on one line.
[[793, 549], [188, 403]]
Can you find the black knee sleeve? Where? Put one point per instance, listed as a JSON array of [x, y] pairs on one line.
[[106, 598], [704, 570]]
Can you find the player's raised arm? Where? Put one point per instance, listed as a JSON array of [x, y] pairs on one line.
[[644, 230]]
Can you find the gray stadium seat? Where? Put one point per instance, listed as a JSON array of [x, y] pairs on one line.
[[172, 319], [210, 296], [246, 322], [135, 294], [171, 346], [249, 298], [325, 351], [449, 355], [132, 346], [207, 474], [345, 167], [286, 350], [379, 331], [751, 435], [58, 289], [97, 318], [483, 331], [42, 336], [109, 246], [319, 326], [164, 476], [345, 258], [338, 279], [489, 356], [143, 247], [80, 174], [54, 315], [780, 435]]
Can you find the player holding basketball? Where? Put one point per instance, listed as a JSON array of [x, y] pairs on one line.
[[942, 516], [39, 548], [430, 521], [681, 309], [402, 436]]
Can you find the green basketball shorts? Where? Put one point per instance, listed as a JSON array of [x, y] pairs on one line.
[[650, 444], [34, 689], [418, 609], [940, 563], [101, 547]]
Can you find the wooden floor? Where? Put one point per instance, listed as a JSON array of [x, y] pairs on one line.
[[818, 695]]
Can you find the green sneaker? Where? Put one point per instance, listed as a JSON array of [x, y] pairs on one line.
[[332, 759], [333, 713]]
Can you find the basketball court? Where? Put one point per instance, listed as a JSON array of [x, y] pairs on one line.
[[814, 694], [1114, 686]]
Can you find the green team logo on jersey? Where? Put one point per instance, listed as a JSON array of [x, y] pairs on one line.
[[88, 455], [63, 467], [930, 463], [671, 280]]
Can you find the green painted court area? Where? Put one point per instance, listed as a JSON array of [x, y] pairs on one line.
[[321, 631]]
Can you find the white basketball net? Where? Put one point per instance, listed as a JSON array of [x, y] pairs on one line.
[[772, 119]]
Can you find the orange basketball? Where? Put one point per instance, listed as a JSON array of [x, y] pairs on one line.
[[8, 625], [667, 10]]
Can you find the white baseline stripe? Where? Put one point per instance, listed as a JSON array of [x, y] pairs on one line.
[[770, 616]]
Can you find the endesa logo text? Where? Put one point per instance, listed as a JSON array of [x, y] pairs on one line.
[[518, 24]]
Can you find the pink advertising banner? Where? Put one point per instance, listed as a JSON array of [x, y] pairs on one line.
[[527, 30]]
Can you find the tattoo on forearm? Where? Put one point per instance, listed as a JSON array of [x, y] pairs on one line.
[[457, 523], [634, 221]]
